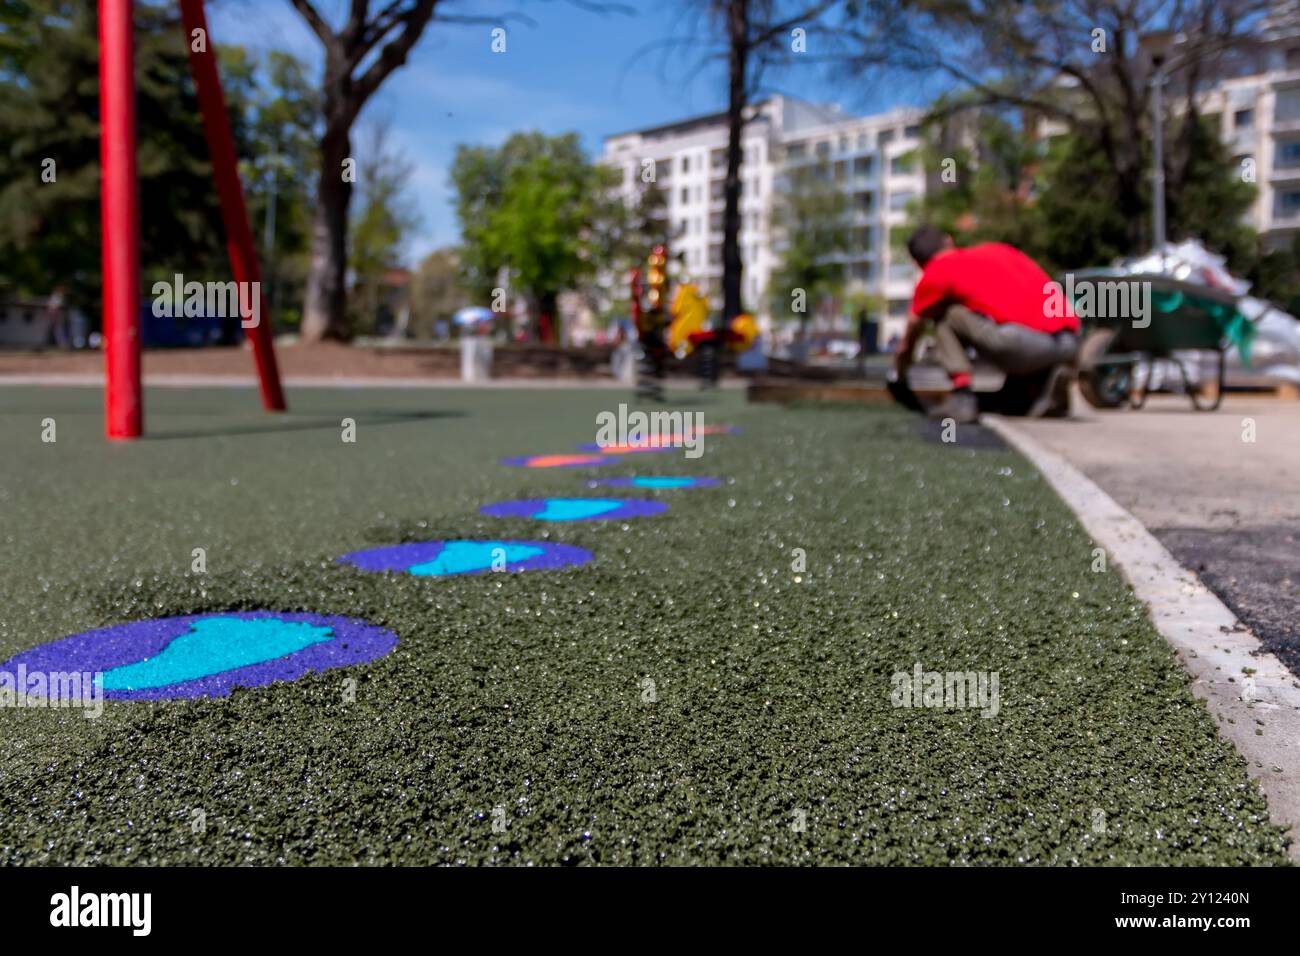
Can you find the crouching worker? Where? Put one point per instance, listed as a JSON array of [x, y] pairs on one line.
[[994, 299]]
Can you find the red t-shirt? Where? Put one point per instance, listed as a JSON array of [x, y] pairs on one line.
[[995, 280]]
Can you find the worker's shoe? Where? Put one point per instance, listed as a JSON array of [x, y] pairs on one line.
[[1053, 399], [961, 406]]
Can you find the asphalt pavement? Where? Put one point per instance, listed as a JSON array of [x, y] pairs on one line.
[[1220, 490]]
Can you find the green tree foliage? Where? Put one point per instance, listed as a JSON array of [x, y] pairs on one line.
[[382, 220], [274, 110], [49, 109], [979, 174], [814, 233], [533, 206], [630, 230], [1052, 198], [1274, 276], [436, 292], [1088, 69], [627, 232]]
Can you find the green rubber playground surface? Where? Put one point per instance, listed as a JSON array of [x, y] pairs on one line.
[[768, 734]]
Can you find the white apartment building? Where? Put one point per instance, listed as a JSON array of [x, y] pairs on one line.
[[866, 156], [1259, 116]]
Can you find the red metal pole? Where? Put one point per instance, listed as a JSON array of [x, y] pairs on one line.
[[636, 299], [234, 214], [120, 222]]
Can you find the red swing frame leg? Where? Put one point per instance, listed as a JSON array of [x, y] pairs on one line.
[[234, 214], [120, 223], [120, 212]]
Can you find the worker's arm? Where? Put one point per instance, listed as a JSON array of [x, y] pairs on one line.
[[927, 302], [907, 345]]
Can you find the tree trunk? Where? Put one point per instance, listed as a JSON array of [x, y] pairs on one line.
[[548, 317], [325, 311], [738, 36]]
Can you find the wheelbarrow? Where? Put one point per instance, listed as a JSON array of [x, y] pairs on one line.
[[1131, 320]]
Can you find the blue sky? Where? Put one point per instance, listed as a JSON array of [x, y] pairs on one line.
[[571, 69]]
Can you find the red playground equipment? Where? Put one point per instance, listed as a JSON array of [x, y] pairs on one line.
[[120, 208]]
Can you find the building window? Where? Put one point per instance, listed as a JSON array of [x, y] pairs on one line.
[[902, 165], [900, 199], [1293, 58], [862, 141], [862, 166], [823, 149], [1288, 204], [1286, 106], [796, 151], [684, 164], [1288, 155], [686, 195], [1243, 119], [912, 132], [885, 138]]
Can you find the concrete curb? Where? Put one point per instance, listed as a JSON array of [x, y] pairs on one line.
[[1261, 719]]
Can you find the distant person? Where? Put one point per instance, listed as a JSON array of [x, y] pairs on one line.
[[57, 317], [992, 298], [866, 340], [866, 334]]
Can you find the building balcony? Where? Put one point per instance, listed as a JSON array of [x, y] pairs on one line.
[[1284, 79]]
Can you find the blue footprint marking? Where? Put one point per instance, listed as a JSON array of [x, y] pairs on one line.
[[576, 509], [465, 557], [214, 645]]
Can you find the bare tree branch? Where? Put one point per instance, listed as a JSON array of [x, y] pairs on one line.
[[394, 52], [315, 21]]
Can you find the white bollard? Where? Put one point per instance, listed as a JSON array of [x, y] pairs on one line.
[[623, 360], [475, 358]]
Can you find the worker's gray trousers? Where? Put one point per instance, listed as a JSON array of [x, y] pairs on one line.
[[1016, 349]]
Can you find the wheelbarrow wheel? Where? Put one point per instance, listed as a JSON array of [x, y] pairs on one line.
[[1102, 384]]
